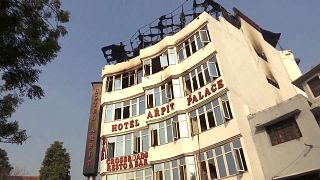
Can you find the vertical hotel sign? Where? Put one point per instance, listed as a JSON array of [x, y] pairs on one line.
[[91, 158]]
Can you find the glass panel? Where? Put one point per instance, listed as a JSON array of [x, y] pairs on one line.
[[184, 128], [192, 169], [203, 123], [169, 130], [180, 53], [132, 78], [167, 175], [164, 95], [194, 80], [126, 109], [177, 91], [213, 71], [109, 113], [218, 115], [218, 151], [125, 80], [128, 144], [121, 177], [236, 143], [117, 83], [221, 166], [193, 45], [139, 75], [175, 174], [199, 43], [147, 67], [187, 84], [145, 142], [209, 154], [172, 57], [134, 108], [231, 163], [119, 146], [203, 172], [111, 177], [162, 133], [164, 60], [142, 105], [212, 169], [157, 96], [200, 77], [187, 47]]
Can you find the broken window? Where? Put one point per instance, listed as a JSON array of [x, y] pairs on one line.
[[156, 65], [126, 109], [147, 67], [117, 111]]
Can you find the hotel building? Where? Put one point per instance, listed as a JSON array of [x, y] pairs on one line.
[[213, 100]]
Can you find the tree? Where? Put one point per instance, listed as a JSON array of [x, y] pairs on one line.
[[56, 163], [5, 166], [29, 33]]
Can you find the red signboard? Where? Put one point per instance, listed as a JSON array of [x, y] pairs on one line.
[[90, 165]]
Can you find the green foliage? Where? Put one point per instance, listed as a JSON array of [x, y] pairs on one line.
[[56, 163], [5, 166], [29, 33]]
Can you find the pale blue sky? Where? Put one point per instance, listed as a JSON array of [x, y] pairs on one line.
[[63, 113]]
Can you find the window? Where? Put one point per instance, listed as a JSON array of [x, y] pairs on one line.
[[210, 115], [149, 94], [213, 68], [201, 75], [169, 90], [133, 107], [164, 60], [180, 52], [137, 139], [156, 65], [126, 109], [147, 67], [283, 131], [111, 147], [223, 161], [117, 111], [128, 144], [109, 113], [273, 82], [145, 142], [132, 78], [172, 56], [154, 137], [125, 80], [109, 84], [175, 126], [117, 82], [314, 85], [142, 105], [119, 146], [139, 75], [177, 169], [226, 107]]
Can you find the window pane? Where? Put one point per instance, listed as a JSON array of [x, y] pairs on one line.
[[162, 133], [125, 80], [184, 129], [147, 67], [199, 43], [142, 105], [132, 78], [203, 172], [126, 109], [221, 166], [187, 84], [177, 90], [194, 80], [187, 47], [169, 130], [157, 96], [212, 169], [314, 85], [120, 146], [117, 83], [172, 57], [128, 144], [203, 123], [139, 75], [145, 142], [217, 114], [200, 77], [193, 45], [167, 175], [180, 53], [109, 113], [175, 174], [231, 164], [213, 71], [164, 95]]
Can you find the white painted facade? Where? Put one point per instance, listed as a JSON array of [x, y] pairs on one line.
[[253, 101]]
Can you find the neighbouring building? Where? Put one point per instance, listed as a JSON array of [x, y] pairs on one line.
[[211, 98]]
